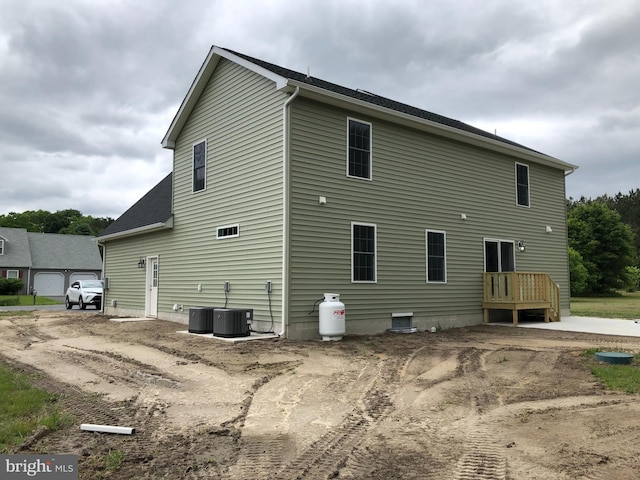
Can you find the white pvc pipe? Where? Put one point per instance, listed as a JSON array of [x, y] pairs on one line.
[[90, 427]]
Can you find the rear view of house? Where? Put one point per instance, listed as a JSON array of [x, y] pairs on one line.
[[285, 187]]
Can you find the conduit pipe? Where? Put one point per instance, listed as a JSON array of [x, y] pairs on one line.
[[285, 209], [90, 427]]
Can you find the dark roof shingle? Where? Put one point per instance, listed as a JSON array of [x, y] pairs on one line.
[[154, 207], [376, 100]]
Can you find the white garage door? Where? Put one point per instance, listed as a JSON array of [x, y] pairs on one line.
[[49, 284], [82, 276]]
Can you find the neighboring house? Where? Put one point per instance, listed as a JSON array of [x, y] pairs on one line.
[[284, 178], [46, 262]]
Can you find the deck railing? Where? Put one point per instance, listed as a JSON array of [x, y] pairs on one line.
[[522, 291]]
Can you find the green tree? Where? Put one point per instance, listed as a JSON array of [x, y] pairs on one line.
[[604, 242], [63, 221], [578, 273]]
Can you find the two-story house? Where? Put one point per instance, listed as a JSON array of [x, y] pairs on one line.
[[285, 178]]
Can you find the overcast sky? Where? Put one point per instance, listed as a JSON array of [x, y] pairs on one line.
[[89, 88]]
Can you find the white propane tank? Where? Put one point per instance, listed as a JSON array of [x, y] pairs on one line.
[[332, 315]]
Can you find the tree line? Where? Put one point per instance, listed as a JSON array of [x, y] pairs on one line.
[[604, 243], [71, 222]]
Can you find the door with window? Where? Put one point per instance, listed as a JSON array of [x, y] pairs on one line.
[[152, 287], [499, 256]]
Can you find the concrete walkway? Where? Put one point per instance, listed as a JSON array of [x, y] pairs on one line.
[[603, 326]]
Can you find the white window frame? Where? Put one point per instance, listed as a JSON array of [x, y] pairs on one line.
[[349, 120], [426, 241], [528, 205], [375, 253], [224, 227], [1, 247], [16, 272], [193, 166]]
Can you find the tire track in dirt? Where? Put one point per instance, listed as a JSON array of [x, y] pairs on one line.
[[28, 333], [481, 458], [325, 457], [121, 372]]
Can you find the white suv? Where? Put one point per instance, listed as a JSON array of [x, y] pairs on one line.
[[83, 293]]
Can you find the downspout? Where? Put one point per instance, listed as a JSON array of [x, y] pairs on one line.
[[285, 210], [104, 287]]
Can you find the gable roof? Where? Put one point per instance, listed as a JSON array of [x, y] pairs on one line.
[[16, 248], [288, 80], [57, 251], [151, 212], [24, 249]]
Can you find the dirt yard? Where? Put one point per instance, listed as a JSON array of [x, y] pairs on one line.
[[488, 402]]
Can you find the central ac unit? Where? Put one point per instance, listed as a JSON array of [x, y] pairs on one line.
[[232, 322], [201, 319]]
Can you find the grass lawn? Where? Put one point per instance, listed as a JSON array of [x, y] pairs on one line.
[[621, 378], [627, 305], [24, 408], [25, 300]]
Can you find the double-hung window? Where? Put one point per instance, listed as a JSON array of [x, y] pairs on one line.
[[1, 247], [522, 184], [363, 252], [359, 154], [436, 256], [13, 274], [199, 165]]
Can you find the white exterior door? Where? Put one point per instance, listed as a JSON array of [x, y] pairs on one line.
[[152, 287]]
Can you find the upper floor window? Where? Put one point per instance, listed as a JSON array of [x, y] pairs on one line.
[[363, 252], [436, 257], [359, 156], [522, 184], [1, 247], [199, 165]]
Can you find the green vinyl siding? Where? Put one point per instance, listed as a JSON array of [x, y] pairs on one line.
[[239, 114], [420, 182]]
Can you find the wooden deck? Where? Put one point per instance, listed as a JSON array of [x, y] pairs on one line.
[[517, 291]]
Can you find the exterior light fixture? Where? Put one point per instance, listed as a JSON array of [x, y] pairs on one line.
[[521, 246], [548, 229], [142, 262]]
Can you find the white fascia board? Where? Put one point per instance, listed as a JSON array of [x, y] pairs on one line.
[[280, 81], [343, 101], [200, 82], [137, 231], [190, 100]]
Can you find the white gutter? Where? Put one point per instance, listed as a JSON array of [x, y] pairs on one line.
[[138, 230], [285, 209], [566, 174]]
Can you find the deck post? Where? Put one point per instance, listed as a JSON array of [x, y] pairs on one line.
[[515, 316]]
